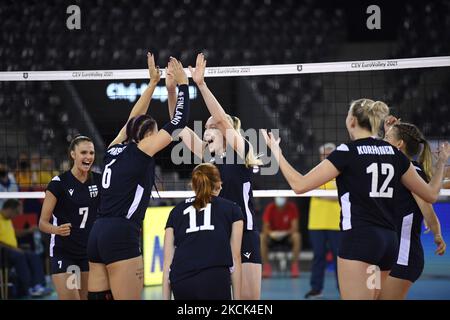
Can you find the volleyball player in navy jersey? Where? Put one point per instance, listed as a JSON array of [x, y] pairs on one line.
[[410, 211], [115, 259], [236, 165], [368, 171], [203, 242], [71, 202]]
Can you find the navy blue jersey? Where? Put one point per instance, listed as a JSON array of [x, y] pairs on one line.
[[237, 183], [409, 218], [202, 238], [370, 172], [77, 204], [127, 182]]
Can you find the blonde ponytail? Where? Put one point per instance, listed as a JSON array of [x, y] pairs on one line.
[[426, 159], [412, 138], [369, 114], [378, 111]]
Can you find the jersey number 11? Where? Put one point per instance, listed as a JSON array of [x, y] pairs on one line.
[[193, 219]]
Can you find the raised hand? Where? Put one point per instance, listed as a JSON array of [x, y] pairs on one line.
[[271, 142], [444, 151], [170, 80], [389, 122], [198, 74], [153, 71], [176, 70]]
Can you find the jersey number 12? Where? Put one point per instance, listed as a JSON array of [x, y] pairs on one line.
[[384, 191]]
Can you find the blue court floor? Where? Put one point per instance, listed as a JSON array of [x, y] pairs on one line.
[[285, 288]]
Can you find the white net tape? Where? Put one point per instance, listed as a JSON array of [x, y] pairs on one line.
[[187, 194], [236, 71]]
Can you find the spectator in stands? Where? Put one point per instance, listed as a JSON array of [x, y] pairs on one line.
[[280, 225], [7, 182], [27, 179], [65, 166], [28, 265], [323, 226], [41, 171], [23, 174]]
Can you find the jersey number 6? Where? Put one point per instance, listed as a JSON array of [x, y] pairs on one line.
[[106, 178]]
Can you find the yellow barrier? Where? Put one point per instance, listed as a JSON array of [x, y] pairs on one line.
[[153, 233]]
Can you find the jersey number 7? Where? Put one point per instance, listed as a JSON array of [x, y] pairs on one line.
[[84, 212]]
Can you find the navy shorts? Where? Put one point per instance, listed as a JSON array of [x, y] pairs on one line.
[[410, 261], [113, 239], [250, 247], [63, 264], [371, 244], [208, 284]]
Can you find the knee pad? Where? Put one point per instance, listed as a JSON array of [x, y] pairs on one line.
[[102, 295]]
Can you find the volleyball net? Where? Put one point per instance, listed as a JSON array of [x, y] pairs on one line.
[[305, 104]]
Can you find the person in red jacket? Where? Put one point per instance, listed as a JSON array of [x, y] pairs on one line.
[[280, 225]]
